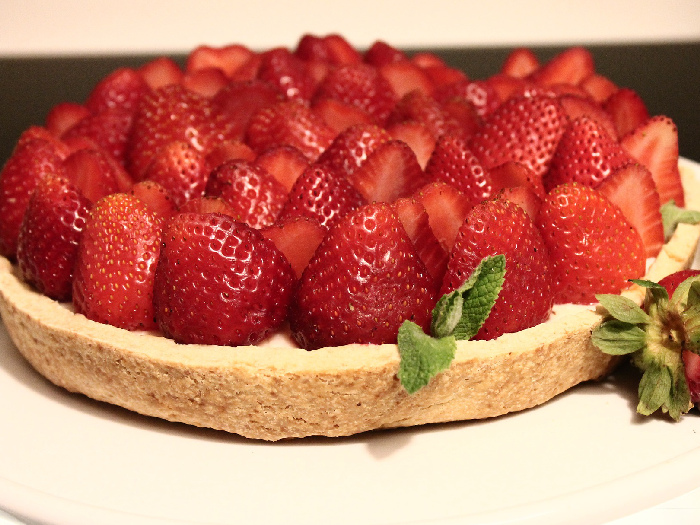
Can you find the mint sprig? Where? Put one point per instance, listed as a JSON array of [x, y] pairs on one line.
[[655, 340], [458, 315]]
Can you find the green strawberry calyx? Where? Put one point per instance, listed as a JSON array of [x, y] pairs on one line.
[[655, 337], [457, 316]]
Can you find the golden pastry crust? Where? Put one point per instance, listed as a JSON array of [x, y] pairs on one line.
[[275, 392]]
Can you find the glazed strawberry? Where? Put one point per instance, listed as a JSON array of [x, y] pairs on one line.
[[523, 196], [571, 66], [168, 114], [180, 169], [454, 163], [390, 172], [593, 248], [219, 282], [447, 207], [627, 110], [297, 238], [523, 129], [64, 116], [361, 86], [500, 227], [520, 63], [632, 189], [280, 68], [479, 93], [417, 136], [285, 163], [109, 129], [31, 160], [420, 107], [289, 123], [416, 222], [121, 89], [515, 175], [255, 195], [351, 148], [577, 106], [48, 238], [238, 101], [116, 263], [655, 145], [586, 154], [364, 280], [227, 59], [322, 195], [95, 173]]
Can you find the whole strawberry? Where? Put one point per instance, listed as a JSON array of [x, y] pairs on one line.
[[364, 280], [116, 262], [661, 337], [220, 282], [48, 239], [500, 227], [594, 249]]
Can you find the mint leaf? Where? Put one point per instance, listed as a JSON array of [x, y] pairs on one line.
[[422, 356], [672, 216], [615, 337], [462, 312], [622, 308]]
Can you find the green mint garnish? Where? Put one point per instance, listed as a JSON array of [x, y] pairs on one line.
[[457, 316], [672, 216]]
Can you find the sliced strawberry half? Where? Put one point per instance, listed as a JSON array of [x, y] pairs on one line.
[[627, 110], [447, 207], [297, 238], [571, 66], [520, 63]]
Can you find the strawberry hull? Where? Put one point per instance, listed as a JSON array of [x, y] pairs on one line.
[[275, 391]]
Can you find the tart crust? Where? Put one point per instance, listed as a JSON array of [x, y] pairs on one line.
[[275, 392]]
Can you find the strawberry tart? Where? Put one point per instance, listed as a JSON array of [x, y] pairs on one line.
[[324, 241]]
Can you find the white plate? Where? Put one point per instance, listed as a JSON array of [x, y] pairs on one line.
[[583, 458]]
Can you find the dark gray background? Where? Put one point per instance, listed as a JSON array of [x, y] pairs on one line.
[[667, 76]]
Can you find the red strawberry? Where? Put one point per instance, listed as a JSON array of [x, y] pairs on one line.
[[161, 72], [225, 151], [116, 263], [289, 123], [419, 107], [109, 129], [500, 227], [447, 207], [206, 82], [340, 115], [381, 53], [168, 114], [206, 204], [359, 85], [180, 169], [416, 222], [454, 163], [121, 89], [514, 175], [219, 282], [586, 154], [655, 145], [571, 66], [593, 248], [480, 94], [30, 161], [523, 129], [297, 238], [417, 136], [600, 88], [632, 189], [285, 163], [227, 59], [351, 148], [520, 63], [64, 116], [48, 238], [364, 280], [95, 173], [280, 68], [332, 49], [627, 110], [253, 193], [238, 101], [405, 77], [576, 106], [462, 116], [155, 196], [523, 196], [321, 195], [440, 75], [390, 172]]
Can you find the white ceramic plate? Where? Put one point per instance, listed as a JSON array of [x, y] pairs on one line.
[[583, 458]]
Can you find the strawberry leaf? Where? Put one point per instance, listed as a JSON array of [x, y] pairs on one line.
[[663, 387], [462, 312], [422, 356], [615, 337], [622, 308], [672, 216]]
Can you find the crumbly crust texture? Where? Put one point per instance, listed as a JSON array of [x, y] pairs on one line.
[[275, 392]]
